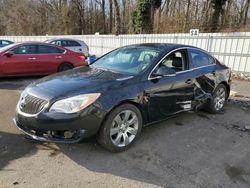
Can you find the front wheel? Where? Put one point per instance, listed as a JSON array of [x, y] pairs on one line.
[[218, 100], [121, 128]]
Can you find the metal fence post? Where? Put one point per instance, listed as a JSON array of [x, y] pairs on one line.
[[209, 43], [120, 41], [101, 45], [175, 39]]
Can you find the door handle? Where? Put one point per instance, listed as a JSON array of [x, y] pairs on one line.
[[58, 57], [32, 58], [189, 81]]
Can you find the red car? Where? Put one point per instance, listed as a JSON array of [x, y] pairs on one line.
[[36, 58]]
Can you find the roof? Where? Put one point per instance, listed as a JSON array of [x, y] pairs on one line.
[[163, 46], [155, 44], [36, 43], [31, 42], [78, 40]]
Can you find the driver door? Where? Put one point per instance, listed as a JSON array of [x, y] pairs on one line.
[[171, 94]]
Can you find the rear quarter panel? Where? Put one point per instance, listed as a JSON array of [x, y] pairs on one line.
[[74, 59], [223, 75]]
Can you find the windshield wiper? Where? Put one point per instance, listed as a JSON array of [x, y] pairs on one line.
[[110, 70]]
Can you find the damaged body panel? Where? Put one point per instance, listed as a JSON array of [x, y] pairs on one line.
[[197, 76]]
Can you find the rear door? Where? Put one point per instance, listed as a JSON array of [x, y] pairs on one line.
[[48, 59], [204, 69], [22, 62], [171, 94]]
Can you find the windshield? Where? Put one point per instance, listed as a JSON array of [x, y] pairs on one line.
[[130, 61], [6, 48]]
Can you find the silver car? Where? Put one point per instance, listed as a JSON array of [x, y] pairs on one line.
[[75, 45]]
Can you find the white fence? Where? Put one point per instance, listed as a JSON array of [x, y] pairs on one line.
[[233, 49]]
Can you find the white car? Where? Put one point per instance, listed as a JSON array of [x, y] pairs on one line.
[[75, 45]]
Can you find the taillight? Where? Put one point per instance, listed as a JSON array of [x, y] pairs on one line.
[[82, 58]]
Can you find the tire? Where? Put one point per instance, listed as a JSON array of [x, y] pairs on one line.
[[65, 67], [121, 128], [216, 104]]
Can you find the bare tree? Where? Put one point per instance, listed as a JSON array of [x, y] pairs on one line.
[[117, 18], [110, 16], [40, 17], [246, 9], [103, 16], [187, 15]]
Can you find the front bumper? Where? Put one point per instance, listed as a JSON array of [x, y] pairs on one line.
[[50, 127], [49, 138]]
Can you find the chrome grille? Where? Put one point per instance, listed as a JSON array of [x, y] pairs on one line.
[[31, 105]]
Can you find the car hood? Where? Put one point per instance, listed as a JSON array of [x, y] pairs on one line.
[[80, 80]]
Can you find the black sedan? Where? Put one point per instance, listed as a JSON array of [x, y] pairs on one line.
[[121, 92]]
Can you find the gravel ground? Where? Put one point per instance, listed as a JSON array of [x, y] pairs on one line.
[[191, 150]]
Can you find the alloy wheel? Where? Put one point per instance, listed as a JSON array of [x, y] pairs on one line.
[[124, 128], [220, 98]]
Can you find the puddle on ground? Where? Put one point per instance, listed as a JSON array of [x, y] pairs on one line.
[[179, 124], [236, 173], [203, 116]]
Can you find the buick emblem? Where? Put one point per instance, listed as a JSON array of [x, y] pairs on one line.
[[22, 102]]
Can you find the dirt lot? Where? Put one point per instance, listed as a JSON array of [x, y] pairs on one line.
[[191, 150]]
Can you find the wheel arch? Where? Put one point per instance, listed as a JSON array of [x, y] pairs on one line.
[[136, 104], [227, 87], [64, 63]]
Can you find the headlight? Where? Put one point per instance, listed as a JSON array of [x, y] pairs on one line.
[[74, 104]]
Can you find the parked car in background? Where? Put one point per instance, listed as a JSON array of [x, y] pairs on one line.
[[36, 58], [77, 46], [5, 43], [121, 92]]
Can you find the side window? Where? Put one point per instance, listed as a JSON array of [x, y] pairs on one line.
[[43, 49], [5, 42], [177, 61], [58, 43], [200, 58], [64, 43], [26, 49], [71, 43]]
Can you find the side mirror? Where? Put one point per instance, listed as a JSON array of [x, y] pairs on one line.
[[9, 54], [164, 71]]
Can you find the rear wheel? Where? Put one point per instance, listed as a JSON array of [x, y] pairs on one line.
[[121, 128], [218, 101], [64, 67]]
